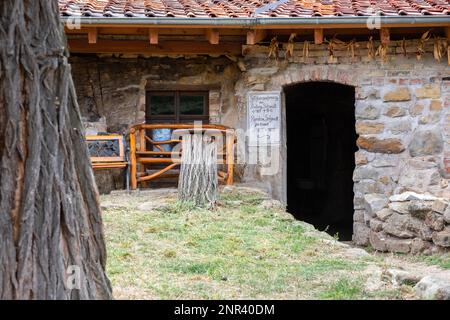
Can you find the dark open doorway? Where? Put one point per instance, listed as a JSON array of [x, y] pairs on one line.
[[321, 142]]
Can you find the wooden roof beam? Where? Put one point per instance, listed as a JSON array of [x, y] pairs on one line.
[[92, 35], [318, 36], [153, 36], [212, 35], [255, 36], [143, 47]]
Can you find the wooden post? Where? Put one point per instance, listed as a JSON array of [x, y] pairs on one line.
[[133, 178], [142, 148], [230, 157], [318, 36]]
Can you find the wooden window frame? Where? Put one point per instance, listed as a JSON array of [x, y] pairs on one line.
[[177, 117]]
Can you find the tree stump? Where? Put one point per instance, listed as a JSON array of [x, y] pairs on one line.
[[198, 182]]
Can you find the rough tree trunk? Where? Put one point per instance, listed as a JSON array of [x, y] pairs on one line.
[[50, 218], [198, 173]]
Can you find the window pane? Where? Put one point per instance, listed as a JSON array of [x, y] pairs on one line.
[[192, 105], [162, 105]]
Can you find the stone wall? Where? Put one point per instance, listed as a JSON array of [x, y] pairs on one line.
[[111, 89], [402, 117], [402, 112]]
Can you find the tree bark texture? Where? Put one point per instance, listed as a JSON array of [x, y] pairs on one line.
[[198, 182], [50, 217]]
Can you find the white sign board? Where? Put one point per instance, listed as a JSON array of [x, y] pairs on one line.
[[264, 118]]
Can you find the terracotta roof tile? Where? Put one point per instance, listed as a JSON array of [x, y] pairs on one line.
[[246, 8]]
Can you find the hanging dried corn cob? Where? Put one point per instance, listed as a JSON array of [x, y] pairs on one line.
[[404, 47], [371, 49], [273, 48], [305, 49], [439, 48], [290, 46], [421, 44], [382, 51]]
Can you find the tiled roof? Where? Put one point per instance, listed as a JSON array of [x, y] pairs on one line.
[[246, 8]]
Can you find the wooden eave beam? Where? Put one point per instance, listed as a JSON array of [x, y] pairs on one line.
[[255, 36], [166, 47], [153, 36], [92, 35], [318, 36], [212, 35]]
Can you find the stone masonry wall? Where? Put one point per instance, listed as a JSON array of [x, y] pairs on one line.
[[402, 118], [111, 89]]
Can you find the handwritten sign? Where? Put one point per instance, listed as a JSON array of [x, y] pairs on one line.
[[264, 118]]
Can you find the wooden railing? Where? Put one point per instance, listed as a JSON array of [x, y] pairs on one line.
[[149, 159]]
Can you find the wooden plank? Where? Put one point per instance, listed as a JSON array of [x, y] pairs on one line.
[[255, 36], [212, 35], [133, 178], [142, 47], [153, 36], [318, 36], [385, 35], [92, 35]]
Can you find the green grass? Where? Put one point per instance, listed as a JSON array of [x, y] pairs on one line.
[[236, 251], [343, 289], [442, 261]]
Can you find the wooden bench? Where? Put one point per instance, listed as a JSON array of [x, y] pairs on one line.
[[151, 159], [107, 151]]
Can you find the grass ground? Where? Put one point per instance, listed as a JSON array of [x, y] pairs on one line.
[[243, 249]]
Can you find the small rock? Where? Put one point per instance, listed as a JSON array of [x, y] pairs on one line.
[[439, 206], [385, 213], [432, 91], [397, 225], [360, 234], [398, 245], [435, 221], [399, 94], [402, 277], [400, 207], [356, 253], [418, 246], [151, 205], [376, 225], [372, 144], [426, 142], [419, 209], [433, 288], [409, 195], [442, 238], [271, 204], [447, 215], [374, 203], [378, 241]]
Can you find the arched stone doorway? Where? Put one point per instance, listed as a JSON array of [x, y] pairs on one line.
[[320, 148]]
